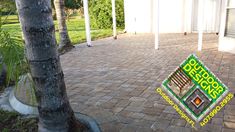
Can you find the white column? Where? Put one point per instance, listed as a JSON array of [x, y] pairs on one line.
[[87, 23], [218, 15], [156, 24], [222, 20], [114, 20], [185, 16], [200, 24]]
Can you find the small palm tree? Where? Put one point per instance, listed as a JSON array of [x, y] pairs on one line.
[[12, 62], [65, 42]]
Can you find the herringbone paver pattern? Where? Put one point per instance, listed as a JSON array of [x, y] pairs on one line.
[[115, 81]]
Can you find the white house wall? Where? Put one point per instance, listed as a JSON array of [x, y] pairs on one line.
[[176, 16], [171, 16], [138, 15]]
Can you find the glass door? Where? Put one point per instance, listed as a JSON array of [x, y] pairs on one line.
[[227, 29], [230, 21]]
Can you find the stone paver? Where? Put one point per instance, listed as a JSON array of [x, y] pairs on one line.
[[114, 81]]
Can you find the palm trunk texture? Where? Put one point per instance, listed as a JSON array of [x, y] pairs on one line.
[[55, 113], [65, 43]]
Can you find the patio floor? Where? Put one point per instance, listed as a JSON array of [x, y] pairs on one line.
[[115, 80]]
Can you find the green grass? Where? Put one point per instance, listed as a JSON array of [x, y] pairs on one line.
[[76, 29], [10, 19]]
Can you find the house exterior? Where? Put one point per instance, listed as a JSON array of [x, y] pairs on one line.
[[181, 16]]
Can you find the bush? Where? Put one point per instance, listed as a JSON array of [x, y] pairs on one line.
[[101, 13], [7, 7], [11, 55]]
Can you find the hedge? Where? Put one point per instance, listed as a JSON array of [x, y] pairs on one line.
[[101, 13]]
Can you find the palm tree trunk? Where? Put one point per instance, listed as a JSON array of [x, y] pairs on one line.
[[65, 43], [55, 113]]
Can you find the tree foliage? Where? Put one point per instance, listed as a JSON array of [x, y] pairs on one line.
[[73, 4], [11, 55], [7, 6], [70, 6], [101, 13]]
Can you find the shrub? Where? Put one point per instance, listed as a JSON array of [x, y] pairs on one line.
[[101, 13], [11, 55]]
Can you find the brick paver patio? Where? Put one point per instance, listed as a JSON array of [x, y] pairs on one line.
[[114, 82]]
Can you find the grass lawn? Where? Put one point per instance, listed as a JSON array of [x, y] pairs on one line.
[[76, 29]]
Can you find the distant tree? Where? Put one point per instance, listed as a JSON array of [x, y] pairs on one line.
[[55, 112], [71, 5], [65, 42]]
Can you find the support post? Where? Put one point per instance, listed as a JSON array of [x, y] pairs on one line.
[[185, 17], [87, 23], [200, 24], [114, 19], [157, 24]]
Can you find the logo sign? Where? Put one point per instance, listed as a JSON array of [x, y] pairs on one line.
[[195, 88]]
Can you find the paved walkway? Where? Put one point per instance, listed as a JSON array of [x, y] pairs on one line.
[[115, 81]]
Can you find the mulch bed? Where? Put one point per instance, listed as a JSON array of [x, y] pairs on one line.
[[14, 122]]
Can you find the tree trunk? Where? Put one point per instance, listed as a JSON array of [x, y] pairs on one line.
[[65, 43], [55, 113]]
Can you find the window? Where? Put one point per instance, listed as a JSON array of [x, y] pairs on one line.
[[230, 21]]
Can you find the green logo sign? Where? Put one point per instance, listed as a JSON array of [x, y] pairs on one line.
[[195, 88]]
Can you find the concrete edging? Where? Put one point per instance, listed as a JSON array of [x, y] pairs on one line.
[[26, 109], [20, 107]]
